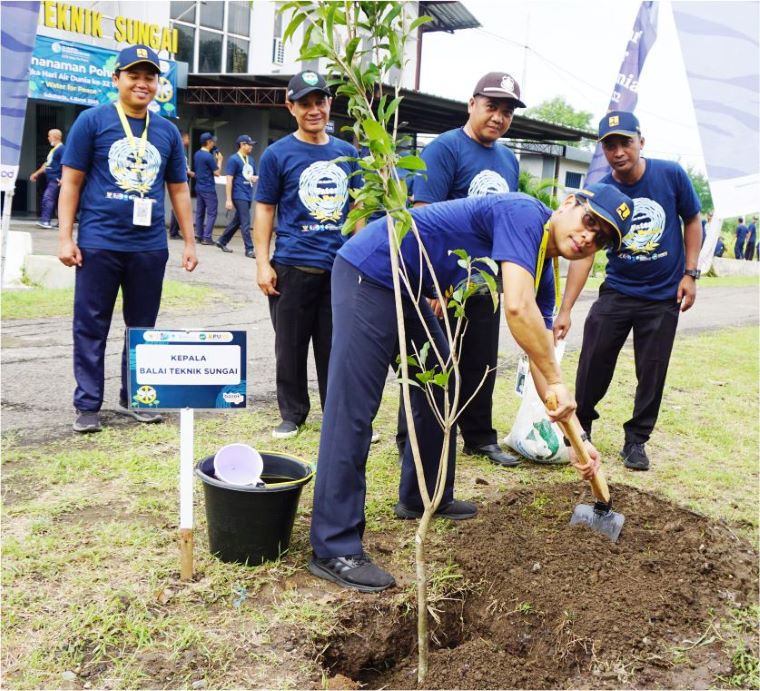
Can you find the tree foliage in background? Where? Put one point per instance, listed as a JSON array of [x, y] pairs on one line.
[[543, 190], [559, 112], [702, 188]]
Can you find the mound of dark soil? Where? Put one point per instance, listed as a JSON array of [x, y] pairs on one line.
[[555, 606]]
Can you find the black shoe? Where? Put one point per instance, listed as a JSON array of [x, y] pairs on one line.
[[139, 414], [207, 242], [198, 238], [175, 237], [87, 421], [353, 571], [222, 247], [456, 510], [635, 456], [250, 254], [285, 430], [495, 454]]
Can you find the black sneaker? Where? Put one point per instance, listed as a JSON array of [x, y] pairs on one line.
[[456, 510], [635, 456], [285, 430], [250, 254], [207, 242], [353, 571], [139, 414], [87, 421], [222, 247]]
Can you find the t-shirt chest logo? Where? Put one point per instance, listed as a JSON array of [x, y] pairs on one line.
[[323, 189], [647, 226], [487, 182], [132, 172]]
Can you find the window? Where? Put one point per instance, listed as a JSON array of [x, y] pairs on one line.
[[278, 51], [573, 180], [183, 11], [212, 14], [185, 44], [210, 52], [237, 54], [239, 18]]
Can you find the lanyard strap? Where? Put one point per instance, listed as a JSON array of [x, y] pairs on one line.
[[540, 268], [131, 137], [49, 158], [243, 158]]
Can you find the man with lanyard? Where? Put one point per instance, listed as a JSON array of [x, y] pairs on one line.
[[649, 280], [749, 252], [300, 180], [207, 163], [51, 168], [470, 162], [116, 163], [174, 233], [525, 238], [741, 238], [241, 176]]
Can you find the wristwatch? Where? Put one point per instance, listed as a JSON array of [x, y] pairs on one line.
[[584, 437], [694, 273]]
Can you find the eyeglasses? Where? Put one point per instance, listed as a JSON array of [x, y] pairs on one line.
[[603, 239]]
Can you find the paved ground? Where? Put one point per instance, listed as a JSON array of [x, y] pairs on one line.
[[37, 380]]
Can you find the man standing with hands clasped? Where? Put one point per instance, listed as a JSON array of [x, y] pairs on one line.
[[116, 163], [470, 162], [650, 279], [309, 190], [51, 169], [241, 176]]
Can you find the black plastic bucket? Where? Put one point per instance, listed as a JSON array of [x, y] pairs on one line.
[[250, 525]]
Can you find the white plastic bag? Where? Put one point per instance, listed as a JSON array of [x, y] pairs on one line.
[[533, 435]]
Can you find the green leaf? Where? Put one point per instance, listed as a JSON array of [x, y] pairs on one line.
[[424, 352], [411, 382], [411, 163], [442, 378], [425, 377], [318, 50], [351, 47], [462, 254], [419, 22], [491, 283], [490, 263], [292, 26]]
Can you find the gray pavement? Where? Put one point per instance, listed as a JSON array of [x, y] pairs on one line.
[[37, 378]]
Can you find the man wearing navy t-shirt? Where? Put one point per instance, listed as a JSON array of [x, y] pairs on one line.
[[749, 250], [525, 238], [207, 163], [300, 180], [118, 158], [51, 169], [241, 176], [649, 281], [470, 162]]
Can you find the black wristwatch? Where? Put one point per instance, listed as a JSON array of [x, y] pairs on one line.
[[694, 273], [584, 437]]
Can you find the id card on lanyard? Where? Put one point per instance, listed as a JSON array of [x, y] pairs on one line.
[[142, 209], [247, 169], [523, 366]]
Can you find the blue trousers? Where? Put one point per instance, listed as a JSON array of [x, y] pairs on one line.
[[49, 200], [365, 343], [206, 205], [242, 220], [140, 275]]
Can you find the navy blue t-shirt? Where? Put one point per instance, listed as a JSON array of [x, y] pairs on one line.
[[241, 168], [311, 195], [458, 167], [741, 231], [651, 260], [53, 163], [505, 227], [98, 145], [204, 165]]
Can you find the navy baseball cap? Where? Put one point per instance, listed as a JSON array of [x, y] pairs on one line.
[[134, 55], [206, 136], [611, 205], [304, 83], [244, 139], [619, 122], [499, 85]]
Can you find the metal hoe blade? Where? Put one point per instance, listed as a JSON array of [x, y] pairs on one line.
[[606, 522]]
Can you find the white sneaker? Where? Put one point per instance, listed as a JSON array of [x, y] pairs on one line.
[[375, 437]]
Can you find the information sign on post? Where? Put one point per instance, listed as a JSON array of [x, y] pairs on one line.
[[184, 370]]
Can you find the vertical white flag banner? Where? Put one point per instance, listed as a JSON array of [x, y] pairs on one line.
[[721, 52]]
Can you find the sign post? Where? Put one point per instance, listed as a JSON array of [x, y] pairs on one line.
[[185, 370]]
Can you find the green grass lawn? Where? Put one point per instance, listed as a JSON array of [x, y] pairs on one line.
[[90, 558], [41, 303]]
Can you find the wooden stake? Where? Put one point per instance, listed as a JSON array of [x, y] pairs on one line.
[[186, 554]]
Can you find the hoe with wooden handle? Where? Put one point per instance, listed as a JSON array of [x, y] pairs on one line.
[[600, 517]]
